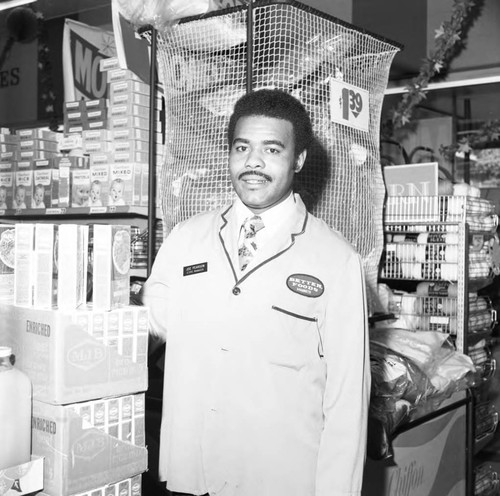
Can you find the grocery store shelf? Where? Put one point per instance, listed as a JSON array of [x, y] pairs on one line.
[[118, 211]]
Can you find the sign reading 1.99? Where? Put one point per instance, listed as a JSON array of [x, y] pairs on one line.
[[349, 105]]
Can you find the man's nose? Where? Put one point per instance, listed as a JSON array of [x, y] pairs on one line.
[[254, 160]]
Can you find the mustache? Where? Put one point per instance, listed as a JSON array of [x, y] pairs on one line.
[[254, 173]]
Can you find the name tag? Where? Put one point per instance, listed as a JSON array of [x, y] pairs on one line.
[[189, 270]]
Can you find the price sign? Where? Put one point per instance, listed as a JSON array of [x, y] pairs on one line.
[[349, 105]]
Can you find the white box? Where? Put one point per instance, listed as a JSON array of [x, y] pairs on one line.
[[45, 277], [99, 185], [63, 361], [7, 261], [111, 266], [23, 264], [72, 265]]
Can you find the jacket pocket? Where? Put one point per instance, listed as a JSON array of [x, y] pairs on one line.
[[295, 339]]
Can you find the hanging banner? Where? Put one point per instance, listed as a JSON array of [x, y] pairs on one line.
[[83, 48]]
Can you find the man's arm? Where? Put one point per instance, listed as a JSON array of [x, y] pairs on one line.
[[346, 398]]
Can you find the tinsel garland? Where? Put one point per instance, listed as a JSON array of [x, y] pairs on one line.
[[447, 38]]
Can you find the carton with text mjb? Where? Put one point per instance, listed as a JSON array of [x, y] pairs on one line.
[[111, 266]]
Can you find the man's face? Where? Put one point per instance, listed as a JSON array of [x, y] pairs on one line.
[[262, 161]]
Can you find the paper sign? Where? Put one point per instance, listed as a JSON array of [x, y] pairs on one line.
[[411, 179], [349, 105]]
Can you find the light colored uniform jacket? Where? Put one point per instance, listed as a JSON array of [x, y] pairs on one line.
[[267, 373]]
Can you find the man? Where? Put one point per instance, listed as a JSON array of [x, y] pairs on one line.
[[266, 366]]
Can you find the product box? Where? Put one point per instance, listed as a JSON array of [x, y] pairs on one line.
[[10, 139], [23, 264], [80, 187], [42, 183], [8, 147], [91, 147], [34, 154], [23, 184], [111, 266], [79, 457], [108, 64], [9, 156], [129, 122], [38, 144], [99, 185], [114, 75], [64, 362], [72, 263], [121, 185], [132, 98], [7, 261], [131, 156], [94, 104], [128, 487], [127, 86], [26, 478], [124, 109], [64, 164], [131, 146], [92, 136], [6, 185], [45, 265]]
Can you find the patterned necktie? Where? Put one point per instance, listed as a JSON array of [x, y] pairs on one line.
[[247, 246]]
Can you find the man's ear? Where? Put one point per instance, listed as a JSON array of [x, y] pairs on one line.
[[299, 163]]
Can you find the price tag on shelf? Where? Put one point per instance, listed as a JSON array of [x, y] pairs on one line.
[[98, 210], [349, 105], [55, 211]]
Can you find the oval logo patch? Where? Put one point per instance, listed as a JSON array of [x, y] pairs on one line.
[[306, 285]]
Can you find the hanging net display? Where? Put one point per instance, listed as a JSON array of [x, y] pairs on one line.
[[204, 65]]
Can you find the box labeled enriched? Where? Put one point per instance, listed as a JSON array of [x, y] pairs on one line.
[[111, 266], [80, 456], [7, 244], [67, 364]]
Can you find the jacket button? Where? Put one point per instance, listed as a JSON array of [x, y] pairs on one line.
[[236, 291]]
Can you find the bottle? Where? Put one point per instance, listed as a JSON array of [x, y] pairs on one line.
[[15, 412]]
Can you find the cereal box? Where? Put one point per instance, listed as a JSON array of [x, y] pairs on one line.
[[45, 265], [99, 185], [121, 184], [42, 183], [111, 266], [23, 264], [23, 184], [7, 244], [72, 262], [6, 185], [80, 187]]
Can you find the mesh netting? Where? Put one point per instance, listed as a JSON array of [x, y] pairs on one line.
[[203, 65]]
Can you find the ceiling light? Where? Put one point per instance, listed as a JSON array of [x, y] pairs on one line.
[[10, 4]]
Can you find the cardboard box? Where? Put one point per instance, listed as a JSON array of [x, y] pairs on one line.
[[35, 154], [10, 155], [124, 109], [127, 86], [72, 263], [42, 183], [24, 264], [119, 74], [6, 185], [111, 266], [80, 187], [108, 64], [7, 261], [78, 457], [36, 133], [129, 122], [26, 478], [45, 265], [97, 135], [99, 185], [121, 186], [23, 184], [65, 363], [39, 144]]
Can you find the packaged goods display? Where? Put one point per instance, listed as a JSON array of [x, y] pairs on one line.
[[15, 412], [128, 487]]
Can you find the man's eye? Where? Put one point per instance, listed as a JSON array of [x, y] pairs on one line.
[[273, 151], [240, 148]]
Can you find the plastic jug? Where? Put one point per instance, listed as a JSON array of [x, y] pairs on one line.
[[15, 412]]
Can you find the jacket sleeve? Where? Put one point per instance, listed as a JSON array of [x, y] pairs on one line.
[[347, 391], [158, 288]]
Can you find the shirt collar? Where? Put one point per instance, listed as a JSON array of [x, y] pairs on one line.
[[272, 218]]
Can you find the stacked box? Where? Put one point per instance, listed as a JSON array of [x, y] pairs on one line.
[[85, 115], [37, 143], [65, 362], [80, 456], [6, 185], [23, 184]]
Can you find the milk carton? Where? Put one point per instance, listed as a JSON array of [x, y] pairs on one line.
[[111, 266]]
